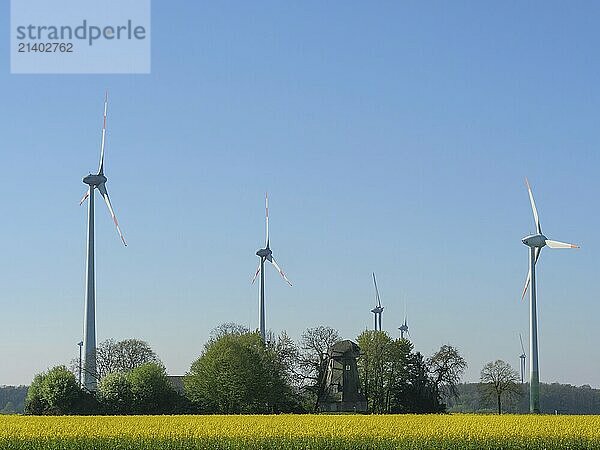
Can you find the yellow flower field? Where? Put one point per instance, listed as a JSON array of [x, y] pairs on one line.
[[300, 432]]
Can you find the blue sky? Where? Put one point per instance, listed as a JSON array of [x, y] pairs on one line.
[[392, 138]]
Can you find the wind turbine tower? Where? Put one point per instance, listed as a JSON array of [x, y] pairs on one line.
[[378, 310], [265, 254], [97, 181], [535, 242]]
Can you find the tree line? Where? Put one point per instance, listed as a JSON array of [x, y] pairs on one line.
[[238, 373]]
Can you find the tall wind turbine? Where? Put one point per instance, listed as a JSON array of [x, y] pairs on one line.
[[378, 310], [94, 182], [522, 357], [265, 254], [535, 242]]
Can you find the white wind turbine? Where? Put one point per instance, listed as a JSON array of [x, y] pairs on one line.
[[265, 254], [97, 181], [535, 242]]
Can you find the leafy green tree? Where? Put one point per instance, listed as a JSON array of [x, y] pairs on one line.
[[151, 390], [395, 379], [375, 368], [400, 356], [54, 392], [115, 393], [499, 379], [237, 373]]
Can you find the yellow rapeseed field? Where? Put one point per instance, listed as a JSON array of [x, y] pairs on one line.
[[301, 432]]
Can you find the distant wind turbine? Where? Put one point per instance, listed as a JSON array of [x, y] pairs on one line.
[[378, 310], [265, 254], [404, 327], [97, 181], [522, 357], [535, 242]]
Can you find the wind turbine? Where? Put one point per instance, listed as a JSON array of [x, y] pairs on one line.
[[404, 327], [265, 254], [535, 242], [522, 357], [378, 310], [97, 181]]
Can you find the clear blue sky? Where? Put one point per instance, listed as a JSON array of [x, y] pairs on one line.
[[392, 138]]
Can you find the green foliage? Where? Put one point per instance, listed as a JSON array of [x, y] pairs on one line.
[[237, 373], [419, 394], [151, 391], [555, 397], [395, 380], [375, 368], [115, 393], [54, 393], [143, 390], [12, 399]]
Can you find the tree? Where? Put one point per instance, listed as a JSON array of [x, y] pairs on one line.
[[399, 376], [123, 356], [420, 395], [375, 368], [499, 379], [446, 367], [314, 344], [115, 393], [287, 358], [395, 379], [237, 373], [151, 390], [9, 408], [54, 392]]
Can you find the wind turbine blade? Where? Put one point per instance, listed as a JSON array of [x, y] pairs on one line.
[[376, 290], [557, 244], [538, 251], [521, 339], [526, 285], [101, 167], [103, 191], [281, 272], [538, 227], [85, 196], [256, 273], [267, 216]]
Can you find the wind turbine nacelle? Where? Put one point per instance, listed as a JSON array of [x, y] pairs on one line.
[[94, 180], [535, 240], [264, 253]]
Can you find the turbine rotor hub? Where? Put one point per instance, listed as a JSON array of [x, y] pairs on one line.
[[264, 253], [534, 241], [94, 180]]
